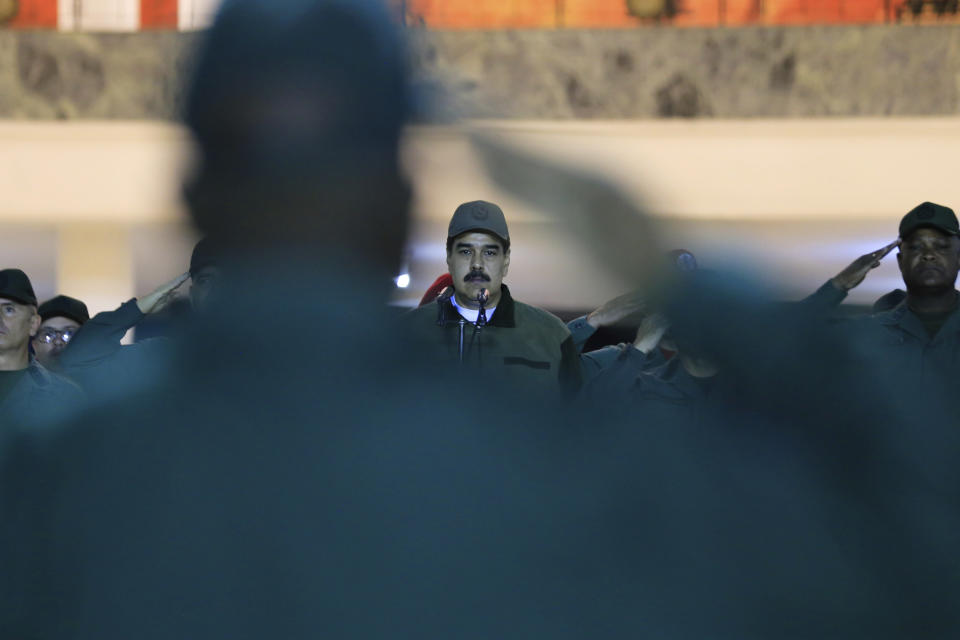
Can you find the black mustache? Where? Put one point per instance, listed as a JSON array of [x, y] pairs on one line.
[[476, 274]]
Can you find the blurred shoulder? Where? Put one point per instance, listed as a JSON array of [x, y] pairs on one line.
[[421, 316]]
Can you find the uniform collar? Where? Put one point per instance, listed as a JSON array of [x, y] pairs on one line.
[[504, 317], [901, 316]]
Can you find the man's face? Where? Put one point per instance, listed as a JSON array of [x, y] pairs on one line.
[[201, 284], [18, 322], [929, 260], [477, 261], [54, 335]]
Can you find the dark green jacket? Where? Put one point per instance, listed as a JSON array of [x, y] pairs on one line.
[[526, 347]]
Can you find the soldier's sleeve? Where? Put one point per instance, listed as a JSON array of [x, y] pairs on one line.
[[826, 297], [581, 331], [99, 338]]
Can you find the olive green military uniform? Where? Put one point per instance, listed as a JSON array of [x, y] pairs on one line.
[[898, 341], [527, 347]]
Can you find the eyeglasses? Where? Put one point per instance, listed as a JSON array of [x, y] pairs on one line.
[[48, 336]]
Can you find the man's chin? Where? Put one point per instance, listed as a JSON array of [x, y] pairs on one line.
[[465, 292], [934, 279], [930, 287], [470, 291]]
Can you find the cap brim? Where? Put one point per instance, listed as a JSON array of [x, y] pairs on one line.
[[59, 314], [17, 298], [480, 229], [949, 232]]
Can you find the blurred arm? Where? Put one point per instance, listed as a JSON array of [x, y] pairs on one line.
[[833, 292], [826, 297], [99, 338]]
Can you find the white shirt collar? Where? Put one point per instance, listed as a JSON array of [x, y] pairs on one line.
[[470, 315]]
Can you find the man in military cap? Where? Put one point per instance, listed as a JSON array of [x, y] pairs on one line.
[[479, 323], [28, 392], [918, 340], [929, 259], [835, 290], [60, 318]]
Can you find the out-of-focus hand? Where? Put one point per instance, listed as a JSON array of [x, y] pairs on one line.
[[622, 235], [628, 308], [651, 332], [162, 295], [858, 269]]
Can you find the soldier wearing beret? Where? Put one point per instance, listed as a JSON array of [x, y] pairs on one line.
[[60, 318], [479, 324], [28, 392]]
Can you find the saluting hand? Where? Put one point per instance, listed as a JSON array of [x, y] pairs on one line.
[[858, 269], [629, 307], [159, 297], [651, 332]]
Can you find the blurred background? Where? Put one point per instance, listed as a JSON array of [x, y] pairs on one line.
[[791, 135]]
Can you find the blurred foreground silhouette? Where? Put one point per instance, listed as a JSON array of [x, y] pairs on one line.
[[295, 473]]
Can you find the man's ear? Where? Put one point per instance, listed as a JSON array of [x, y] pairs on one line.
[[506, 263], [35, 324]]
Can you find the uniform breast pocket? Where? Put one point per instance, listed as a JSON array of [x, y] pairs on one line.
[[525, 362]]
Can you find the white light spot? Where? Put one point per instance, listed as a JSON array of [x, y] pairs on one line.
[[403, 281]]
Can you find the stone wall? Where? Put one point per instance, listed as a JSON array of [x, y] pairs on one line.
[[542, 74], [723, 73], [50, 75]]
